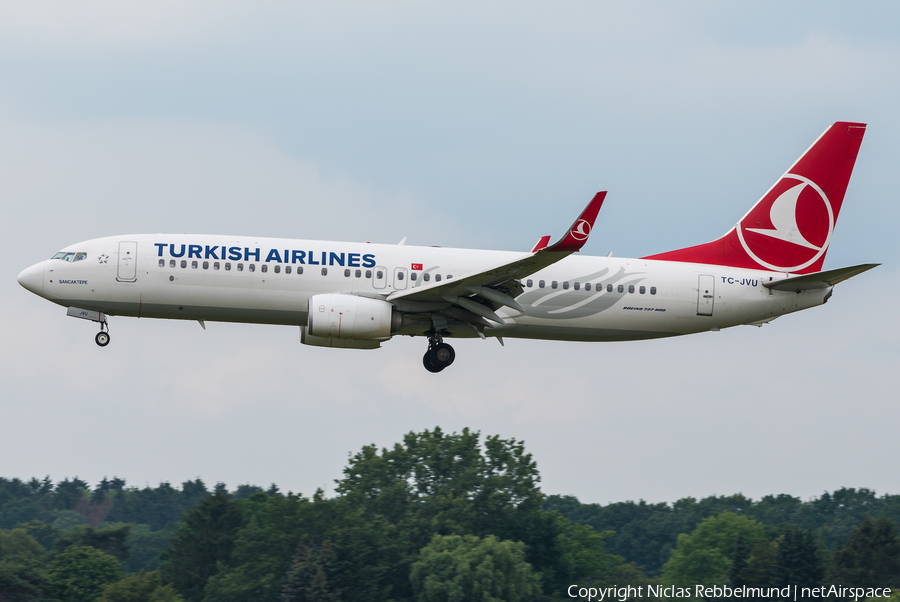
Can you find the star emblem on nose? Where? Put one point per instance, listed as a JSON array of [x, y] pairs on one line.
[[103, 258]]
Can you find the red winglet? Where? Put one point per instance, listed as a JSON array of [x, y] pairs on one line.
[[581, 229], [541, 244]]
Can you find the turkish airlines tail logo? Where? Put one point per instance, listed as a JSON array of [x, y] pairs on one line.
[[790, 227]]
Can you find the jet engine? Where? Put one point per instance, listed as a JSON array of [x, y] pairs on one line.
[[335, 316]]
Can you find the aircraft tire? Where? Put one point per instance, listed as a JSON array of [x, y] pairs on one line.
[[102, 338], [426, 361], [442, 355]]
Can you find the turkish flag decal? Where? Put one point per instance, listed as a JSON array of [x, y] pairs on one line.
[[416, 266]]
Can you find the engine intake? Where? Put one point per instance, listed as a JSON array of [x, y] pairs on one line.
[[335, 316]]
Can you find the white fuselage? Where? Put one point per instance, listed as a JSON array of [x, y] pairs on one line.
[[268, 280]]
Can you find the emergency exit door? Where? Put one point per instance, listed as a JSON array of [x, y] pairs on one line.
[[379, 277], [706, 295], [127, 269]]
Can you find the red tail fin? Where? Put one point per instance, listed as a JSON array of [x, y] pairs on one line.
[[790, 227]]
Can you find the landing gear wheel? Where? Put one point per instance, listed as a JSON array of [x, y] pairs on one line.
[[426, 361], [442, 355], [102, 338]]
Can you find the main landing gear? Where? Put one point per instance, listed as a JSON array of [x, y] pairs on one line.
[[439, 354]]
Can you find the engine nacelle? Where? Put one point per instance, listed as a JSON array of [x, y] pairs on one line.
[[335, 316], [308, 339]]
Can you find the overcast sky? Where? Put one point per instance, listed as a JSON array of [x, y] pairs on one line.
[[464, 124]]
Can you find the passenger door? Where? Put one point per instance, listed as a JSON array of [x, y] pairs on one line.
[[127, 268]]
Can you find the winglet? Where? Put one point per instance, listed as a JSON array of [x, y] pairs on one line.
[[581, 229], [541, 244]]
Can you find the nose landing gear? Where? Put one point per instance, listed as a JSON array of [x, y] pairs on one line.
[[102, 338], [439, 354]]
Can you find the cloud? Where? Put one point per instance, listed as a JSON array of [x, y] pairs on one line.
[[465, 125]]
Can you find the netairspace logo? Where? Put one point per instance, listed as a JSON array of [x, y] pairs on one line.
[[789, 592]]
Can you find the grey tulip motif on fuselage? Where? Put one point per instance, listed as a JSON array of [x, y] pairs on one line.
[[569, 303]]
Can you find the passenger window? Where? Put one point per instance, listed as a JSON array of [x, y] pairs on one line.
[[587, 286], [194, 264], [368, 273], [184, 263], [324, 271], [437, 277], [413, 276], [287, 269], [277, 269], [227, 267], [621, 289], [216, 265], [541, 284], [347, 273], [399, 275], [609, 288], [379, 274], [358, 273], [449, 276], [576, 286], [240, 267], [80, 256], [171, 263], [205, 265], [553, 284], [299, 269], [643, 289], [264, 268], [162, 263], [566, 285], [652, 290], [529, 283], [630, 288], [426, 277], [251, 267]]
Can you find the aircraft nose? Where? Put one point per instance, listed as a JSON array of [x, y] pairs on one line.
[[33, 278]]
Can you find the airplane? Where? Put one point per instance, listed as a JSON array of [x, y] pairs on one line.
[[359, 295]]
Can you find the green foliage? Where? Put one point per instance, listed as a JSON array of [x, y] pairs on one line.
[[647, 533], [758, 569], [68, 520], [870, 558], [441, 484], [79, 573], [146, 547], [205, 539], [112, 540], [584, 555], [705, 556], [798, 560], [141, 587], [22, 575], [364, 548], [454, 568], [41, 531], [312, 576]]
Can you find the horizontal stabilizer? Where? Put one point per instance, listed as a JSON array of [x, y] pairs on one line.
[[819, 279]]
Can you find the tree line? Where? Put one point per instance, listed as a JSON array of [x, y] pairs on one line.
[[437, 517]]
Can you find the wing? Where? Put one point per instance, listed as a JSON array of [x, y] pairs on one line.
[[475, 296]]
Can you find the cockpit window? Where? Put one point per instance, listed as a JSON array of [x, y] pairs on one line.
[[70, 257]]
